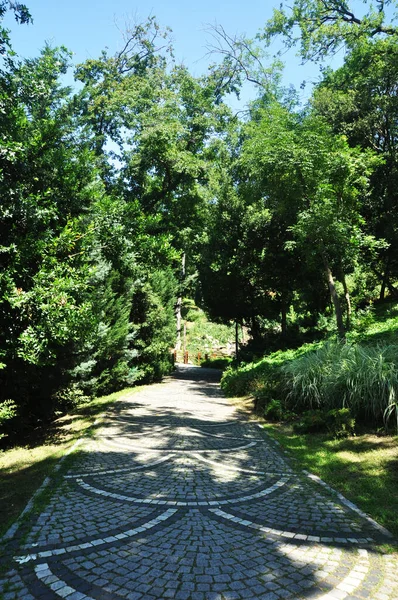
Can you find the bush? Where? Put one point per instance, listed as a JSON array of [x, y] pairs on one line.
[[311, 421], [262, 379], [216, 363], [328, 377], [273, 411], [340, 422], [8, 411]]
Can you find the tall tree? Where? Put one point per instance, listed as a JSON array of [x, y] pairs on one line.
[[322, 27], [360, 101]]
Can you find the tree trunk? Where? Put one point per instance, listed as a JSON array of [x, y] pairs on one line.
[[237, 341], [385, 279], [347, 300], [393, 291], [179, 307], [335, 299], [284, 317]]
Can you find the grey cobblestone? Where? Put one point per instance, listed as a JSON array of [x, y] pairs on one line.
[[178, 497]]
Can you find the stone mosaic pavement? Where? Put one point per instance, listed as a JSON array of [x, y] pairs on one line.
[[178, 496]]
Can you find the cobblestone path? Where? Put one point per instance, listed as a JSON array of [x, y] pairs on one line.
[[177, 496]]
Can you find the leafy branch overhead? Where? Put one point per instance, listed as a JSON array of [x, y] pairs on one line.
[[322, 27]]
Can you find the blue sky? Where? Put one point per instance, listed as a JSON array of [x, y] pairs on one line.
[[88, 26]]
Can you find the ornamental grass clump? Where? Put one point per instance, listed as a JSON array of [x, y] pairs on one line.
[[363, 378]]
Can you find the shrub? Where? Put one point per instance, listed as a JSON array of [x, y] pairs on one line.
[[262, 379], [363, 378], [216, 363], [340, 422], [311, 421], [273, 411], [8, 411]]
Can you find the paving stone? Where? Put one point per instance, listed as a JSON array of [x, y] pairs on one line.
[[179, 497]]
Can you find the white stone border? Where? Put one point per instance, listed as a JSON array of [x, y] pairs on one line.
[[99, 541], [110, 442], [339, 495], [349, 584], [148, 465], [151, 501], [221, 436], [58, 586], [238, 469], [353, 580], [349, 504], [288, 534]]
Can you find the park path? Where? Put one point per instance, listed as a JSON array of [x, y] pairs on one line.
[[178, 496]]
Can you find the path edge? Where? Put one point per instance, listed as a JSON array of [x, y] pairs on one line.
[[11, 531], [339, 495]]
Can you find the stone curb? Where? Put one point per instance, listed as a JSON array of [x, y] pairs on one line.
[[339, 495], [349, 504]]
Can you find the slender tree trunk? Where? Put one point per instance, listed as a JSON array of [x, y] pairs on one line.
[[179, 307], [385, 279], [284, 316], [393, 291], [237, 341], [335, 299], [255, 329], [347, 300]]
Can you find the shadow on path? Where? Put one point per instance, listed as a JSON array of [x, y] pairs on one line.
[[177, 496]]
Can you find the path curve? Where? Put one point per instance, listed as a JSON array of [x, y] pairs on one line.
[[178, 496]]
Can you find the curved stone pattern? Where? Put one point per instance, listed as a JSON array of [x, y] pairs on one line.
[[179, 497]]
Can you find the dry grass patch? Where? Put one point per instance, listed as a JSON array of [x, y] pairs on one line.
[[244, 405]]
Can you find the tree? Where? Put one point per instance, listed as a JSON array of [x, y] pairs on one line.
[[315, 182], [21, 14], [359, 100], [47, 183], [322, 27]]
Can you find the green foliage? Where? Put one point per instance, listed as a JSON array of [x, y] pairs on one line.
[[8, 412], [21, 14], [216, 363], [262, 378], [311, 421], [361, 378], [330, 377], [338, 422], [282, 218], [205, 336], [87, 291], [324, 27], [273, 411]]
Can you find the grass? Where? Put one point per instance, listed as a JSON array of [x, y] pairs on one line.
[[379, 325], [363, 468], [23, 468]]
